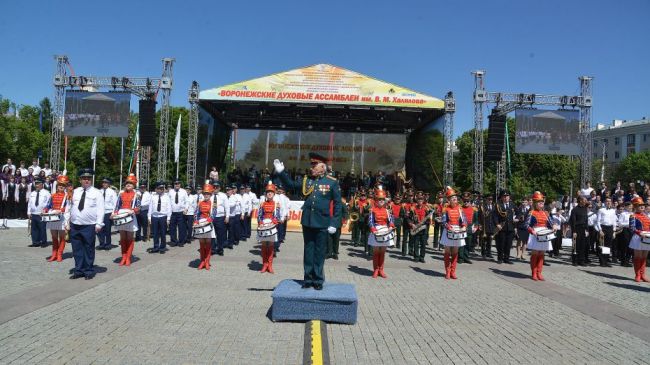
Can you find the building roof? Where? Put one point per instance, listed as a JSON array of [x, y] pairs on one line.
[[617, 124]]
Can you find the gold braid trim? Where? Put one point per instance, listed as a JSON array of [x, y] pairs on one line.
[[304, 187]]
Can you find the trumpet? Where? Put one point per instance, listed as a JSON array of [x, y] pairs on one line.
[[354, 216]]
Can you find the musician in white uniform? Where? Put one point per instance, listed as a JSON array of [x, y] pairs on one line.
[[220, 218], [236, 215], [110, 200], [160, 213], [247, 209], [143, 216], [194, 196], [38, 201]]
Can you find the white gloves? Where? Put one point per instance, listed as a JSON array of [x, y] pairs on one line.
[[279, 166], [331, 230]]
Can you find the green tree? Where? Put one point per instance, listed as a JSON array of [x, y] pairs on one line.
[[634, 167]]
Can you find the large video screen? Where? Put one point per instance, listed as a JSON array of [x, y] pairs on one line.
[[552, 132], [105, 114], [358, 152]]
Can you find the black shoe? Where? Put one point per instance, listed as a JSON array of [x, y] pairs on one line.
[[499, 261], [306, 285], [76, 276], [220, 253], [467, 261], [318, 286], [181, 245], [89, 277], [335, 257], [546, 263], [509, 262], [489, 256], [229, 247], [277, 249], [422, 260], [172, 244], [154, 250], [162, 252]]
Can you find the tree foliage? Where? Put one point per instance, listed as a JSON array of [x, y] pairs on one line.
[[634, 167]]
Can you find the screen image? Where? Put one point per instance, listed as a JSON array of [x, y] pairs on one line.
[[105, 114], [553, 132]]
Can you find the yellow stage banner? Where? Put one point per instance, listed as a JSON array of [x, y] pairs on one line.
[[323, 84]]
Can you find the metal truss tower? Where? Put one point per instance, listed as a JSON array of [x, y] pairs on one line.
[[166, 82], [60, 78], [193, 131], [508, 102], [450, 110], [479, 100], [585, 129]]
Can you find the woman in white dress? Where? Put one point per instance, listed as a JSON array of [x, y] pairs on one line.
[[539, 222], [59, 204], [128, 203], [454, 223], [640, 226], [380, 222]]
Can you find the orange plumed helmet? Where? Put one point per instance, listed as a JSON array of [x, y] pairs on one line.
[[131, 180], [270, 187], [63, 180], [538, 197], [449, 192], [637, 201], [380, 193]]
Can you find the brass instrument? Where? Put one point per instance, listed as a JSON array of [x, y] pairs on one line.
[[354, 216], [421, 225]]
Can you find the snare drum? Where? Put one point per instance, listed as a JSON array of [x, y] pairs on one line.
[[49, 217], [456, 234], [121, 219], [266, 230], [384, 235], [203, 227], [645, 237], [544, 234]]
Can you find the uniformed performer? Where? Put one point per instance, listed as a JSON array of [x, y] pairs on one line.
[[398, 213], [220, 218], [194, 196], [487, 227], [437, 218], [334, 239], [127, 203], [86, 220], [538, 219], [179, 200], [364, 205], [247, 209], [523, 211], [453, 220], [471, 215], [316, 221], [380, 220], [59, 204], [38, 201], [640, 226], [10, 198], [269, 215], [203, 214], [578, 220], [110, 200], [605, 224], [281, 197], [143, 216], [236, 216], [504, 220], [160, 213], [624, 234]]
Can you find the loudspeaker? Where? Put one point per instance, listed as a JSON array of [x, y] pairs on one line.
[[496, 137], [147, 118]]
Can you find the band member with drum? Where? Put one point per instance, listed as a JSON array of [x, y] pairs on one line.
[[640, 242], [86, 220], [128, 205], [504, 221], [110, 201], [59, 205], [317, 219], [539, 224], [268, 217], [382, 226], [455, 225], [38, 201], [203, 218], [160, 213]]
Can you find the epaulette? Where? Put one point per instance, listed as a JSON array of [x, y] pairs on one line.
[[332, 178]]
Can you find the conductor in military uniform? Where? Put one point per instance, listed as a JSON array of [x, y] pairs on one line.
[[317, 220], [504, 220]]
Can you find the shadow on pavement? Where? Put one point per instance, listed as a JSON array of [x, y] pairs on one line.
[[254, 265], [606, 275], [629, 286], [511, 274], [360, 270], [427, 272]]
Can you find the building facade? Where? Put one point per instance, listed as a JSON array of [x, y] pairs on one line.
[[621, 138]]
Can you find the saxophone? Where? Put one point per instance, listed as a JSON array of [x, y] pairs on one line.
[[421, 225]]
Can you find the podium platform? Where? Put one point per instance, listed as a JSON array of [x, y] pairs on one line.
[[336, 303]]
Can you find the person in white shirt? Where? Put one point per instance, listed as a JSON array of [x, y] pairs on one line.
[[143, 215], [47, 169], [220, 218], [39, 199], [557, 219], [160, 213], [236, 215], [177, 229], [109, 197], [284, 216], [586, 191], [192, 202], [624, 233], [86, 220], [36, 170], [247, 209], [12, 167], [22, 170], [605, 226], [592, 219], [255, 203]]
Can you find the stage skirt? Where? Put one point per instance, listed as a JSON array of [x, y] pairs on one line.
[[451, 243], [56, 226]]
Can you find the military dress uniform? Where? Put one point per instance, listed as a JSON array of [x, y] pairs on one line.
[[179, 201], [38, 201], [398, 213], [220, 218], [418, 214], [159, 216], [335, 238], [316, 219], [487, 228], [471, 215], [504, 215]]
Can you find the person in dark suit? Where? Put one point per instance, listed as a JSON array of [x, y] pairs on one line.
[[487, 227], [504, 219], [317, 220]]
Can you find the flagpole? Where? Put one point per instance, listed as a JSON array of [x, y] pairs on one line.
[[94, 159], [121, 161]]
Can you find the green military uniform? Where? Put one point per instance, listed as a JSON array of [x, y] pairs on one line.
[[354, 226], [334, 239], [407, 246], [398, 219], [318, 192]]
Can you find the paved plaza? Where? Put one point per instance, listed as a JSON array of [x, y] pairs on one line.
[[161, 310]]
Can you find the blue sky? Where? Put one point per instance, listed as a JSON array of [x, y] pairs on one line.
[[428, 46]]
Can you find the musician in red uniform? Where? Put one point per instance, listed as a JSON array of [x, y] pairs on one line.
[[59, 204], [202, 216], [380, 221], [453, 220], [640, 226], [398, 212], [128, 202], [268, 216], [538, 220]]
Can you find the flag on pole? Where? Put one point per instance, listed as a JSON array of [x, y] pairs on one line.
[[177, 141], [93, 150], [40, 129]]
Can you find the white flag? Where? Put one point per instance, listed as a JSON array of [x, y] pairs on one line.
[[177, 141], [93, 150]]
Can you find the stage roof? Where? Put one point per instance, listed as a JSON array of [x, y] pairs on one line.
[[321, 97]]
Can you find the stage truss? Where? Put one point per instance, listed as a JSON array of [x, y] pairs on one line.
[[143, 87], [192, 135], [507, 102]]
